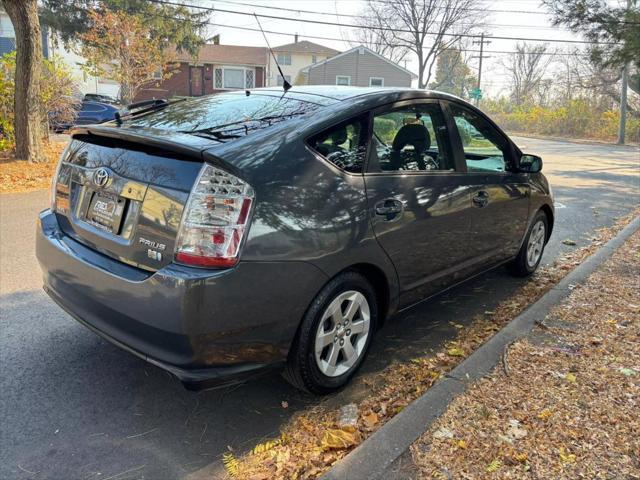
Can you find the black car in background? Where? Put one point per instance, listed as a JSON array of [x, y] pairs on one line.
[[227, 235], [98, 97], [87, 113]]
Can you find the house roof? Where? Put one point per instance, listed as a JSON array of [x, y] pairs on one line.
[[305, 46], [316, 65], [226, 54]]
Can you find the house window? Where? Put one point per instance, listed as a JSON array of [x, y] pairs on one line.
[[234, 78], [314, 59], [286, 77], [284, 58], [343, 80], [376, 82]]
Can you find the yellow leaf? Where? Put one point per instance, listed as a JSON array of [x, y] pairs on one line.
[[494, 465], [370, 420], [522, 457], [567, 457], [570, 377], [335, 438], [230, 463], [544, 414], [462, 444], [455, 352]]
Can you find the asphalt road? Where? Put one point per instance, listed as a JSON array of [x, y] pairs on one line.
[[72, 406]]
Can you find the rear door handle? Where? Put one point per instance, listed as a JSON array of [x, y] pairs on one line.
[[389, 208], [480, 199]]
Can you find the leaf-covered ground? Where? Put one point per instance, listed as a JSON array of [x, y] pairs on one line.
[[313, 440], [21, 176], [565, 404]]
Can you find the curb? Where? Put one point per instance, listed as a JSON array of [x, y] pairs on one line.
[[371, 458]]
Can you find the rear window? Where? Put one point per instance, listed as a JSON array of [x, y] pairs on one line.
[[225, 115]]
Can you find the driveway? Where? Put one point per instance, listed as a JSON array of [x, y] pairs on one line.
[[72, 406]]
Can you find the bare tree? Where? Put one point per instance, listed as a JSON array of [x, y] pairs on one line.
[[423, 27], [28, 131], [527, 68], [378, 40]]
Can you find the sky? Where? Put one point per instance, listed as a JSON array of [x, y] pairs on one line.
[[526, 18]]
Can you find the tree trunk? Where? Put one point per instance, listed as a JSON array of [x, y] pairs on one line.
[[26, 103]]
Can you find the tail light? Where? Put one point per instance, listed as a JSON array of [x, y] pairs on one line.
[[215, 220]]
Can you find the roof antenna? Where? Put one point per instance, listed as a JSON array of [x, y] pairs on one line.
[[286, 85]]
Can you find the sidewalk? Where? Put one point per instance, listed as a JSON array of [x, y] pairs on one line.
[[558, 404]]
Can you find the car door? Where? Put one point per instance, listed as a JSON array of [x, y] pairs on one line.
[[418, 207], [499, 194]]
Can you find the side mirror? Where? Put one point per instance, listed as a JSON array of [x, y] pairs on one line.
[[530, 163]]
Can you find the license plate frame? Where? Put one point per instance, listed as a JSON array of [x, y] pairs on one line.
[[105, 211]]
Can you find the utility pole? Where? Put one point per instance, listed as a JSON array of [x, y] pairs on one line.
[[623, 98], [482, 41]]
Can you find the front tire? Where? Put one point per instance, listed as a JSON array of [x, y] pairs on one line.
[[530, 253], [334, 336]]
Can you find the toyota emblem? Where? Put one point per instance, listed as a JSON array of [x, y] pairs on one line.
[[101, 177]]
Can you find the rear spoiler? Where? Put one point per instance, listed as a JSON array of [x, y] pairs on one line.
[[181, 143]]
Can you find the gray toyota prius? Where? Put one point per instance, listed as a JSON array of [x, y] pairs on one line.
[[224, 236]]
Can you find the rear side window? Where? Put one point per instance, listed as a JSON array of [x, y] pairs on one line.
[[344, 145]]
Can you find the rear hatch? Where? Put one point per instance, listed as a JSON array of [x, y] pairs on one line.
[[125, 196], [122, 188]]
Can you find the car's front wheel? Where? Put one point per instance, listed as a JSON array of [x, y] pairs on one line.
[[334, 336], [532, 248]]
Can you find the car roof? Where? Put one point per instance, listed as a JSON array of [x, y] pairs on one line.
[[341, 93]]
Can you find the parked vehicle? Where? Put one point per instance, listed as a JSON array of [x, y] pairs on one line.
[[225, 236], [101, 98], [88, 113]]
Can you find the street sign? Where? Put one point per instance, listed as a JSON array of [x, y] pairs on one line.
[[475, 93]]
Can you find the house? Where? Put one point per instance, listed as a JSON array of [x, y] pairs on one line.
[[216, 68], [361, 67], [50, 49], [293, 57]]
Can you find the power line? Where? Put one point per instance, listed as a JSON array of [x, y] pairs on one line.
[[469, 9], [396, 30]]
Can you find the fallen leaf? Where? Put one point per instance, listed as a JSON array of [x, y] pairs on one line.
[[566, 457], [338, 439], [544, 414], [627, 372], [370, 420], [570, 377], [462, 444], [494, 465], [569, 242], [284, 404], [443, 432], [455, 352]]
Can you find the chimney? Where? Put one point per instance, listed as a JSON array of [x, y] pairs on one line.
[[296, 38], [216, 39]]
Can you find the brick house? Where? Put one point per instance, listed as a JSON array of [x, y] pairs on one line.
[[217, 68]]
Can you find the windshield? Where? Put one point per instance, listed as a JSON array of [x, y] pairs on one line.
[[221, 112]]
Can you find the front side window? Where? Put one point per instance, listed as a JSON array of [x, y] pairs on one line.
[[284, 58], [344, 145], [343, 80], [411, 138], [483, 146]]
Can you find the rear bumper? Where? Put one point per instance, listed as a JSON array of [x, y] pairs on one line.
[[207, 327]]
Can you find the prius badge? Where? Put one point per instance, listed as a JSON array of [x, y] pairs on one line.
[[155, 252]]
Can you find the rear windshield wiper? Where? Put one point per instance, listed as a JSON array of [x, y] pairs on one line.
[[223, 132], [139, 109]]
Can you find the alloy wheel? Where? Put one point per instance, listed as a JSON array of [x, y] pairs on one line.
[[536, 243], [342, 333]]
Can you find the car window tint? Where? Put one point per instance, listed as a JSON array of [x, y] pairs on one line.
[[412, 138], [480, 142], [343, 145]]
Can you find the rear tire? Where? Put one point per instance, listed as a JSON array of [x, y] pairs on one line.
[[530, 253], [334, 336]]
